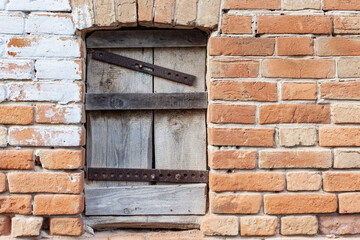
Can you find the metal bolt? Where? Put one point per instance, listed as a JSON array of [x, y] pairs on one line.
[[177, 177]]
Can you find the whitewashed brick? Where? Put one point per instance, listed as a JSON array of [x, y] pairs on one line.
[[3, 137], [51, 92], [59, 136], [50, 46], [39, 5], [22, 226], [46, 113], [15, 69], [83, 13], [50, 23], [58, 69], [2, 46], [3, 4], [12, 23], [2, 92]]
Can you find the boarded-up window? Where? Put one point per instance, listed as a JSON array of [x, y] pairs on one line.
[[147, 138]]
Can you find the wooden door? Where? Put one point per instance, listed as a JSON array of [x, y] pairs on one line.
[[160, 139]]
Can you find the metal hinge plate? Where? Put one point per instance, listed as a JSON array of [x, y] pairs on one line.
[[143, 67], [148, 175]]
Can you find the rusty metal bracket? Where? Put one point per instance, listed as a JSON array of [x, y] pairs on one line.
[[148, 175], [143, 67]]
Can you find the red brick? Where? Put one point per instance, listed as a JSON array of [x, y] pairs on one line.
[[339, 225], [299, 91], [20, 115], [295, 159], [212, 225], [294, 24], [145, 11], [346, 113], [170, 235], [164, 12], [5, 225], [338, 46], [294, 113], [59, 114], [132, 237], [16, 159], [61, 159], [255, 182], [58, 204], [236, 46], [219, 113], [303, 181], [64, 136], [339, 136], [243, 91], [50, 182], [349, 203], [341, 5], [2, 185], [258, 226], [13, 204], [348, 67], [299, 225], [232, 159], [300, 203], [241, 137], [340, 90], [298, 68], [236, 24], [235, 204], [66, 226], [295, 46], [341, 181], [234, 68], [346, 24], [253, 4]]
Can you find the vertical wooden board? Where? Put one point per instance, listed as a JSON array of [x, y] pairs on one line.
[[126, 136], [180, 136], [187, 60], [107, 78]]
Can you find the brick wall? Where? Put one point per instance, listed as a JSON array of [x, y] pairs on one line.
[[283, 134]]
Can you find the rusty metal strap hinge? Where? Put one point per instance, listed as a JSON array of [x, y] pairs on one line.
[[148, 175], [144, 67]]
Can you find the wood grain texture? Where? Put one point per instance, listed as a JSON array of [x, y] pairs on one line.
[[163, 222], [146, 200], [180, 136], [146, 39], [146, 101], [119, 139]]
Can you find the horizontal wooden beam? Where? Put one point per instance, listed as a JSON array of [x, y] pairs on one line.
[[146, 39], [145, 101], [187, 199], [163, 222]]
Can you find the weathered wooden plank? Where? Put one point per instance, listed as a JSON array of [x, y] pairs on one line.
[[143, 67], [180, 136], [146, 39], [146, 200], [143, 101], [162, 222], [119, 139]]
